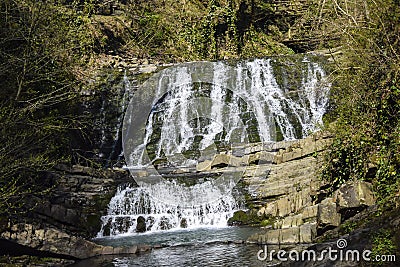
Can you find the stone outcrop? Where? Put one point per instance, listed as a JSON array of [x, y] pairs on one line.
[[304, 225], [141, 224], [63, 220], [268, 153], [51, 240], [80, 197], [287, 192], [354, 194], [303, 233], [327, 214], [283, 193]]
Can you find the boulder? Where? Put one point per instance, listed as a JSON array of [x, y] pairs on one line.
[[327, 214], [354, 194], [165, 224], [183, 223], [239, 217], [52, 240], [308, 232], [141, 224]]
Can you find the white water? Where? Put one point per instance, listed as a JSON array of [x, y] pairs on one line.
[[296, 114], [130, 203]]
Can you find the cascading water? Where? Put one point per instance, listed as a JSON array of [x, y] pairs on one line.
[[280, 112], [257, 94], [131, 203]]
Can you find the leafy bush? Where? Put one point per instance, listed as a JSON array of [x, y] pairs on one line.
[[365, 98], [383, 245]]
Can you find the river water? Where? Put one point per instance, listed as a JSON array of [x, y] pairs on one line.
[[195, 247]]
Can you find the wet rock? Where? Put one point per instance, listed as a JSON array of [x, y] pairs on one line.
[[53, 240], [144, 248], [150, 222], [165, 224], [141, 224], [80, 197], [107, 227], [183, 223], [223, 160], [62, 243], [125, 250], [204, 166]]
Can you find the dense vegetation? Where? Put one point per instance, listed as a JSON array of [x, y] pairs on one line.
[[366, 98], [43, 50]]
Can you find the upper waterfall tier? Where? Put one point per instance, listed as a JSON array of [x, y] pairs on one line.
[[198, 105]]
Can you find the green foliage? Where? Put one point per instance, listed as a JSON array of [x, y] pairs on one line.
[[346, 160], [267, 222], [348, 227], [365, 99], [244, 218], [259, 44], [215, 32], [199, 30], [383, 244]]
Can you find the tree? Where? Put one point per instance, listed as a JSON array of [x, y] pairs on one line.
[[38, 95], [366, 95]]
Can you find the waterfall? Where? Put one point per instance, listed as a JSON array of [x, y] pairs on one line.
[[130, 203], [247, 92], [203, 105]]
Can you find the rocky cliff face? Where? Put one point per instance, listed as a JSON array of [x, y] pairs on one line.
[[62, 222], [285, 194], [280, 181], [292, 202], [80, 197]]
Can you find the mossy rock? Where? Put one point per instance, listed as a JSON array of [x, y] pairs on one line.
[[241, 217], [267, 222]]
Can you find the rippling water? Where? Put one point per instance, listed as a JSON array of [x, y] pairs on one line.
[[199, 247], [198, 255]]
